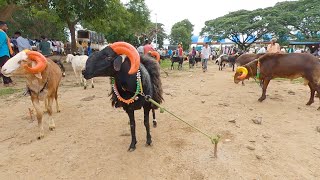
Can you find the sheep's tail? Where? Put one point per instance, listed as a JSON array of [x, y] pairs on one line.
[[153, 69]]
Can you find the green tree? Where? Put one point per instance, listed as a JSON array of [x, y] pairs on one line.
[[284, 20], [9, 7], [300, 16], [33, 23], [161, 34], [73, 12], [181, 32], [243, 27], [139, 15], [151, 32], [128, 23]]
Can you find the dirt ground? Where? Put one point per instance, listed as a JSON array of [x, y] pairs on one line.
[[91, 137]]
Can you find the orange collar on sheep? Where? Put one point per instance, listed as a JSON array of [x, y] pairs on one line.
[[124, 48]]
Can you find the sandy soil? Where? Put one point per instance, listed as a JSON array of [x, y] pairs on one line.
[[91, 137]]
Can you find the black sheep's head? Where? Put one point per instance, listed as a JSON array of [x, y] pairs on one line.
[[108, 61]]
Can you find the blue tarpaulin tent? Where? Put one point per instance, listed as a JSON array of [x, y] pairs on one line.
[[200, 39]]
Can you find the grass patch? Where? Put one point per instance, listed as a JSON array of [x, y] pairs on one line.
[[8, 91], [165, 64]]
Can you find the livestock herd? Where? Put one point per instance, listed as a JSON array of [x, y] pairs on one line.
[[136, 78]]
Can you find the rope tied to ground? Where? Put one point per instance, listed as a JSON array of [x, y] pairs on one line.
[[214, 139]]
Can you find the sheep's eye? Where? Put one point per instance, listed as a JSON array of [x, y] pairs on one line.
[[24, 60], [109, 58]]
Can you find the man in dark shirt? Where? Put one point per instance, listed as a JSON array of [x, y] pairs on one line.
[[44, 46]]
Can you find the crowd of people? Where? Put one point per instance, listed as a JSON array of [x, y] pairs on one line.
[[11, 46]]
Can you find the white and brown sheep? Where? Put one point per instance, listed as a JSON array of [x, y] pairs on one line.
[[43, 78]]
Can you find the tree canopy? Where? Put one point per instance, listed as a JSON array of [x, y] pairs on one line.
[[284, 20], [181, 32], [115, 20], [33, 23]]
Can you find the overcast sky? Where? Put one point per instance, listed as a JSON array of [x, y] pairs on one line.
[[198, 11]]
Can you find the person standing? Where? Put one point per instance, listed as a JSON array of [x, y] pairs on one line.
[[89, 50], [44, 46], [80, 49], [205, 53], [273, 47], [5, 51], [140, 49], [180, 51], [317, 52], [262, 50], [22, 42], [147, 47]]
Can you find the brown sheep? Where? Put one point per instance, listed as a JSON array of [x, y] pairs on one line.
[[43, 78], [291, 66]]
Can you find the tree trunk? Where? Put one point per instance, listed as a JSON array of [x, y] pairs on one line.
[[7, 11], [71, 26]]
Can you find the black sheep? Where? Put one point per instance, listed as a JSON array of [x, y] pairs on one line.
[[125, 72]]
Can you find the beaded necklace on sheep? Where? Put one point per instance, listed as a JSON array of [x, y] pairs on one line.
[[139, 90]]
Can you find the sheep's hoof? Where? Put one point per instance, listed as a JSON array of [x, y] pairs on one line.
[[41, 136], [92, 86], [58, 111], [85, 87], [154, 123], [261, 98], [52, 128], [149, 142], [132, 147], [318, 109], [309, 103]]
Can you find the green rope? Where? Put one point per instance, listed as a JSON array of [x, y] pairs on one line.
[[213, 139]]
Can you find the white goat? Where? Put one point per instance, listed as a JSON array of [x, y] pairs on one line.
[[78, 64]]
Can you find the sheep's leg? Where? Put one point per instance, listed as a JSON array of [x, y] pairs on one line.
[[242, 83], [92, 85], [76, 75], [36, 105], [57, 104], [45, 105], [52, 125], [318, 92], [81, 79], [62, 69], [172, 65], [264, 89], [84, 81], [154, 121], [147, 125], [312, 92], [132, 146]]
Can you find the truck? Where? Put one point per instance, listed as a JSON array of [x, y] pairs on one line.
[[97, 40]]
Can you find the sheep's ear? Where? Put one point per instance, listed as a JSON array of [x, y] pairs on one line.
[[118, 61], [38, 75]]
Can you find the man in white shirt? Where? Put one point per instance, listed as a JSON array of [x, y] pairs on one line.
[[140, 49], [262, 50], [22, 42], [205, 53]]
